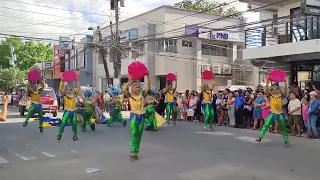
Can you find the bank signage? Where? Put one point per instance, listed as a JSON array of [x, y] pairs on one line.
[[311, 7], [219, 35]]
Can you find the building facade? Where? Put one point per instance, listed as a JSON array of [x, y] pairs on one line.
[[173, 40], [287, 36], [82, 59]]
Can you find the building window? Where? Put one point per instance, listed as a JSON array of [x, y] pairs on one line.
[[214, 50], [186, 43], [166, 45], [125, 52], [137, 50]]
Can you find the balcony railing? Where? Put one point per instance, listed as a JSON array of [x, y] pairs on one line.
[[288, 29]]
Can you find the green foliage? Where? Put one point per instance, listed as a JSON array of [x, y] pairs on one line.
[[7, 78], [28, 53], [207, 6]]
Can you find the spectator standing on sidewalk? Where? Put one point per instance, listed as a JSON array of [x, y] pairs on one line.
[[294, 112], [313, 113]]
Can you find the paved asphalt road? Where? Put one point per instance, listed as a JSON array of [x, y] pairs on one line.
[[182, 152]]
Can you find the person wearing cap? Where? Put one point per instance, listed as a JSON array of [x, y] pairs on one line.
[[276, 111], [313, 114]]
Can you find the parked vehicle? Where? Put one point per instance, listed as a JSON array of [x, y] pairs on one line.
[[48, 100]]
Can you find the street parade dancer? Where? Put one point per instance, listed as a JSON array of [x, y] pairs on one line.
[[150, 116], [36, 106], [88, 109], [208, 109], [70, 108], [171, 106], [116, 100], [275, 111], [136, 101]]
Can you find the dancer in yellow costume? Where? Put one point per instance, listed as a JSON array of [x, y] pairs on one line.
[[70, 108], [171, 106], [136, 101], [36, 106], [208, 109], [275, 111]]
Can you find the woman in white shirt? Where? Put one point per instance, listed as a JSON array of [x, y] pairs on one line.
[[294, 112]]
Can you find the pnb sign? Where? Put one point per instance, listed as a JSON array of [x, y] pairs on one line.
[[219, 35]]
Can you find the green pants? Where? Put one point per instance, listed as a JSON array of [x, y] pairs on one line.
[[150, 119], [116, 114], [136, 126], [208, 115], [35, 108], [171, 108], [282, 124], [87, 114], [69, 116]]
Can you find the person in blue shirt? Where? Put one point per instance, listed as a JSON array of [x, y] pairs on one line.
[[257, 111], [313, 113], [239, 108]]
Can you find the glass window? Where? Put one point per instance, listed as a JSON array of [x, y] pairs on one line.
[[214, 50], [167, 45], [99, 57], [137, 50]]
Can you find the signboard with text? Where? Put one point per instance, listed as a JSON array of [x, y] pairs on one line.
[[310, 7], [65, 43]]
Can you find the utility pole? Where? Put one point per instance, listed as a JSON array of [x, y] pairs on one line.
[[116, 43], [117, 62], [103, 54], [13, 63]]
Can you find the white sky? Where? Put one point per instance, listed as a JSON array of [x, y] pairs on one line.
[[46, 20]]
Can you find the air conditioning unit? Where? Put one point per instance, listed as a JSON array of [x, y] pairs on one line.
[[217, 69], [226, 69]]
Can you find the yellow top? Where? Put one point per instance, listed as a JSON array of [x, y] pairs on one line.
[[170, 94], [69, 100], [136, 101], [207, 94], [35, 95], [276, 99]]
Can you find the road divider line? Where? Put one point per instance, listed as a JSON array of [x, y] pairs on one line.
[[48, 154], [73, 151], [3, 161], [22, 157]]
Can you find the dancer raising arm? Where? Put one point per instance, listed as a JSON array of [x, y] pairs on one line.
[[208, 109], [36, 106], [171, 106], [275, 111], [70, 107], [136, 101]]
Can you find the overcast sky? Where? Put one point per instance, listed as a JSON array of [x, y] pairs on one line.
[[44, 18]]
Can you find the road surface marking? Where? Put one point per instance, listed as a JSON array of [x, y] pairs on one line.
[[215, 133], [48, 154], [251, 139], [3, 161], [73, 151], [22, 157]]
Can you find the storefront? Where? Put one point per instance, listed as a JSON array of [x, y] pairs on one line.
[[305, 72]]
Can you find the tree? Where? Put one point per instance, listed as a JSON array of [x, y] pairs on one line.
[[7, 78], [211, 7], [28, 53]]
